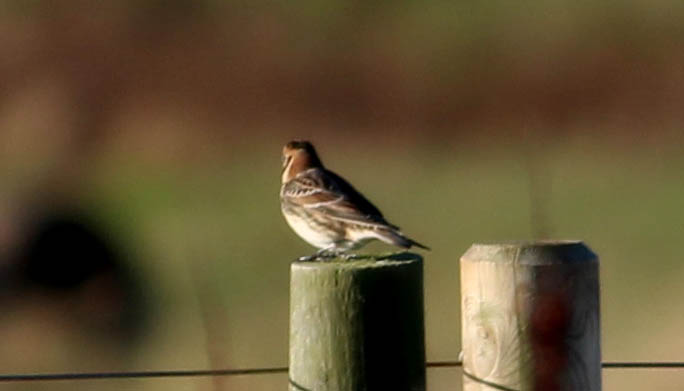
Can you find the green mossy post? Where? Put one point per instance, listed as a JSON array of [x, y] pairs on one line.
[[357, 325], [530, 317]]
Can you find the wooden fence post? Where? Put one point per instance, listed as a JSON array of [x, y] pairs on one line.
[[530, 317], [357, 325]]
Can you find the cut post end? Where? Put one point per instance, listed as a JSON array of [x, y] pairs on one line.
[[360, 261], [542, 252]]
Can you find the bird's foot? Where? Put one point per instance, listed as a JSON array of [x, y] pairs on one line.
[[318, 256], [326, 257], [379, 257], [307, 258], [329, 254], [350, 257]]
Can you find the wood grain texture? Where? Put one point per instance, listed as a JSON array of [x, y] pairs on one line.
[[357, 325], [530, 317]]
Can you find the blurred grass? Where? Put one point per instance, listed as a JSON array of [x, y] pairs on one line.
[[218, 222]]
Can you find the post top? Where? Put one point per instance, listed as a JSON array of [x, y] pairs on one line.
[[362, 262], [542, 252]]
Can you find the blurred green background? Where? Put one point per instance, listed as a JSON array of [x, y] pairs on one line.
[[158, 127]]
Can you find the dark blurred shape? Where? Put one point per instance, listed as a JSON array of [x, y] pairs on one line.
[[64, 252], [66, 259]]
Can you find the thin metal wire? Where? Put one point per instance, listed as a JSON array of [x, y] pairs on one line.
[[662, 364], [606, 364], [263, 371], [139, 374]]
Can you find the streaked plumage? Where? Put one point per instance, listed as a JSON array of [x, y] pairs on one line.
[[325, 210]]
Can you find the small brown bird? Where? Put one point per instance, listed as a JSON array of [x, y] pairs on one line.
[[325, 210]]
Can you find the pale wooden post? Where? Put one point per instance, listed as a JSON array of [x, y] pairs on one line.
[[530, 317], [357, 325]]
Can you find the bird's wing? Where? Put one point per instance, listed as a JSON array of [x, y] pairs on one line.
[[328, 193]]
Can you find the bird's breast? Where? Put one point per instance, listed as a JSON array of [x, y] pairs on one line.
[[316, 230]]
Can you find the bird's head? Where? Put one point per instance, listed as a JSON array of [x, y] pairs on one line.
[[298, 155]]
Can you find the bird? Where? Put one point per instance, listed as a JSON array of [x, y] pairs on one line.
[[327, 211]]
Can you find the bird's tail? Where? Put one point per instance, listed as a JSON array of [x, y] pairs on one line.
[[398, 239]]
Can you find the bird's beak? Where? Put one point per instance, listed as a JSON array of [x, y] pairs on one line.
[[286, 161]]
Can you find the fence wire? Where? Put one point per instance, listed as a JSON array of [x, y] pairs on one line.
[[264, 371]]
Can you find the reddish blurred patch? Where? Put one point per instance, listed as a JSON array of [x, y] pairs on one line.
[[549, 324]]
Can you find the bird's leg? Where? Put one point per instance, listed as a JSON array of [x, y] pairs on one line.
[[327, 253], [350, 256], [374, 257], [322, 254], [307, 258]]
